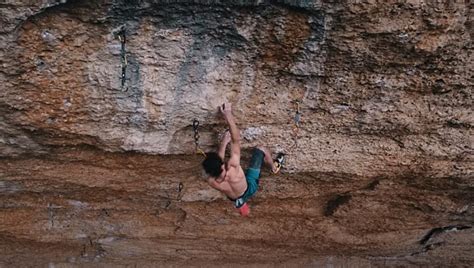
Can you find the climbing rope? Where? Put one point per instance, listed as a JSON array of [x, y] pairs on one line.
[[196, 137]]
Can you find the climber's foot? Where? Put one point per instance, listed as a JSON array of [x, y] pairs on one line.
[[278, 163]]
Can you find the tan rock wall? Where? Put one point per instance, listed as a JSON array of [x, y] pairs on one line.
[[90, 170], [384, 88]]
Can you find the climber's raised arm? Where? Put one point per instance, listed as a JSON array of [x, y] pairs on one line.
[[225, 140], [226, 110]]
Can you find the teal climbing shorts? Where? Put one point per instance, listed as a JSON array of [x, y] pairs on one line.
[[252, 175]]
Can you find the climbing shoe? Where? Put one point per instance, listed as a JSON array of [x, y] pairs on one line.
[[278, 163]]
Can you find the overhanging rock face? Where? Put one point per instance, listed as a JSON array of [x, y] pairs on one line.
[[384, 93], [182, 61], [377, 94]]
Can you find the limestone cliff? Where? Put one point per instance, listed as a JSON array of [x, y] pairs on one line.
[[98, 159]]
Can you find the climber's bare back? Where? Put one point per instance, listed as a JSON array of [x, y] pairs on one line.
[[233, 183]]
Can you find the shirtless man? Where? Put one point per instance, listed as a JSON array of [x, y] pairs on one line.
[[229, 178]]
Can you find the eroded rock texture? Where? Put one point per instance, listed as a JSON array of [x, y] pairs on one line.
[[98, 161]]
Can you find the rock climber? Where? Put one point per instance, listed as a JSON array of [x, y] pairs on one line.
[[229, 177]]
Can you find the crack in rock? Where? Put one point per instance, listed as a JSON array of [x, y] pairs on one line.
[[436, 231]]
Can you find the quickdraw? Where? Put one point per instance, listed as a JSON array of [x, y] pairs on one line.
[[297, 117], [295, 131], [296, 121], [196, 137], [180, 189], [123, 55]]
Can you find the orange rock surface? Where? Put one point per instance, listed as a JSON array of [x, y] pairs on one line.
[[97, 155]]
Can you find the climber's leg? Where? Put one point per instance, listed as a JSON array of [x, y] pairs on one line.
[[267, 159], [275, 165]]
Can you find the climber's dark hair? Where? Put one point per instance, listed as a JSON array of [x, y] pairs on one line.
[[212, 164]]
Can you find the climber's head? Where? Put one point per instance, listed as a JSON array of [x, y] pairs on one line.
[[213, 165]]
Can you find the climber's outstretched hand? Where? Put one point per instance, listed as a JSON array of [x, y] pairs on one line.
[[226, 109]]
